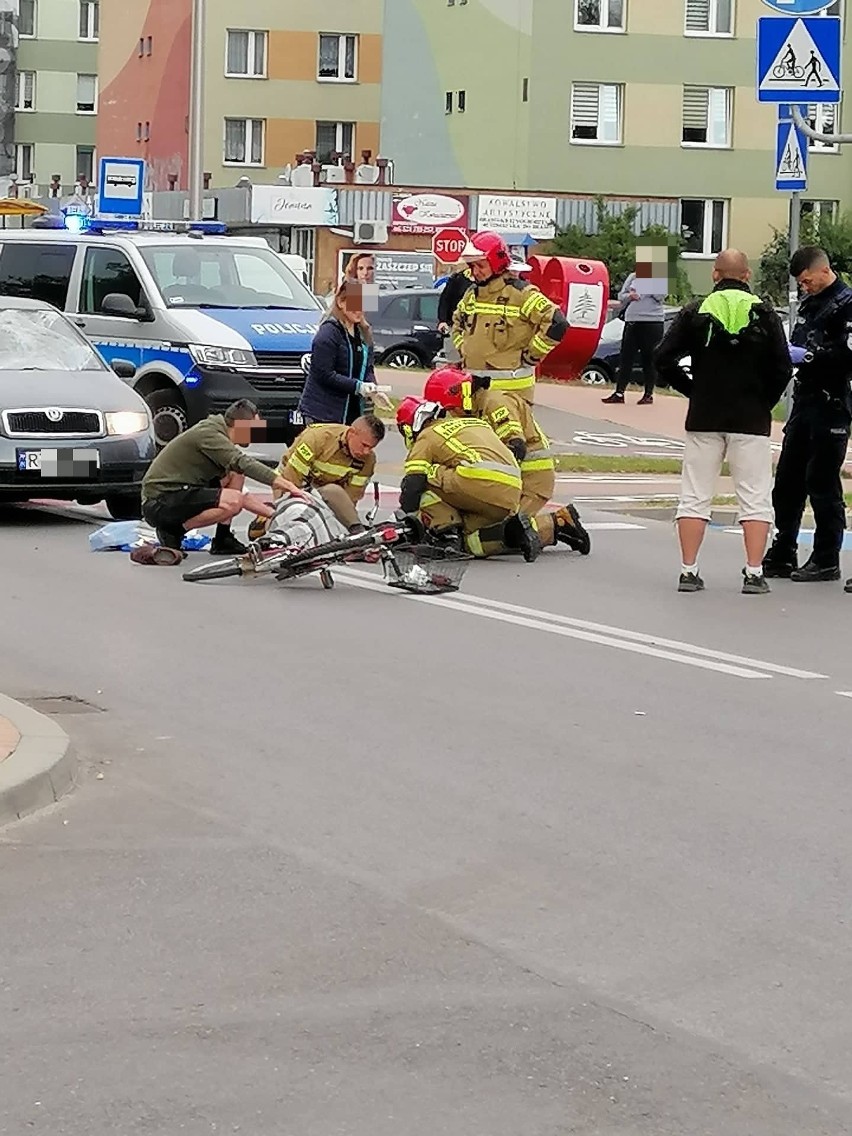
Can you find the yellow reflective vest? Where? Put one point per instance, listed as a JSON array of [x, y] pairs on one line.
[[471, 450], [510, 416], [319, 457]]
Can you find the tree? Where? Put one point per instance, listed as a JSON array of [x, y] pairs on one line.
[[614, 244], [835, 236]]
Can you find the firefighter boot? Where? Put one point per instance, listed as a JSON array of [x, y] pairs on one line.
[[570, 531], [257, 528], [448, 537], [521, 534]]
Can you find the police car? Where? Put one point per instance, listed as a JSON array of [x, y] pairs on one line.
[[204, 318]]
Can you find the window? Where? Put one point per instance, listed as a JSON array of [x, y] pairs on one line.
[[87, 94], [304, 244], [85, 163], [335, 138], [703, 226], [836, 9], [244, 141], [337, 58], [25, 92], [429, 309], [107, 271], [37, 272], [525, 93], [246, 54], [824, 117], [599, 15], [709, 17], [596, 110], [27, 18], [90, 17], [220, 275], [448, 102], [461, 101], [820, 210], [706, 116], [24, 161], [401, 310], [149, 45]]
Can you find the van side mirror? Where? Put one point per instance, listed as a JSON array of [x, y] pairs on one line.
[[123, 368], [117, 304]]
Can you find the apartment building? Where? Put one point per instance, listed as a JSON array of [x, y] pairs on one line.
[[631, 98], [281, 77], [56, 90]]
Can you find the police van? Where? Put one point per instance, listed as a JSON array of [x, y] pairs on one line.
[[204, 318]]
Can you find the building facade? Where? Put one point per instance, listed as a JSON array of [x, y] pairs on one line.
[[634, 98], [281, 77], [56, 90]]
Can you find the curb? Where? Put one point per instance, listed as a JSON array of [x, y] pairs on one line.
[[40, 769]]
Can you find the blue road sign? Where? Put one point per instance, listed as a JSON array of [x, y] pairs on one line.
[[785, 111], [791, 157], [121, 187], [798, 60], [798, 7]]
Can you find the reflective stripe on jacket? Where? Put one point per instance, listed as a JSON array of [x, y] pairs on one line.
[[471, 449], [319, 457]]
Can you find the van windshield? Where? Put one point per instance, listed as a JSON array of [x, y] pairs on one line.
[[219, 276]]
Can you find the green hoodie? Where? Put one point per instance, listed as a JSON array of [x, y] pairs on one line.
[[731, 307]]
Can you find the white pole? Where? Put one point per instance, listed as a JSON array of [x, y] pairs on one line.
[[196, 114]]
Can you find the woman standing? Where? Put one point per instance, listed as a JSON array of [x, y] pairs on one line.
[[341, 374]]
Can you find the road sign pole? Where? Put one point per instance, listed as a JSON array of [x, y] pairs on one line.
[[793, 287]]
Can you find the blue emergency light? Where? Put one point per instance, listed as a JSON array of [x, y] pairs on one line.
[[101, 225]]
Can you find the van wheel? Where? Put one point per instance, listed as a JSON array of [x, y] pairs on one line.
[[125, 506], [168, 413]]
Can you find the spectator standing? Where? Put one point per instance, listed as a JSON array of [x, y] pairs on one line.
[[644, 326], [341, 374], [740, 364], [816, 436]]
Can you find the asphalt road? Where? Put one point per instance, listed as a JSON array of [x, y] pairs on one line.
[[569, 853]]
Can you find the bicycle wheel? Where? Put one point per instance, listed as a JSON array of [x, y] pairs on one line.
[[218, 570]]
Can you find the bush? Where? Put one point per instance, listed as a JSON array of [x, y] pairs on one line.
[[834, 236], [615, 245]]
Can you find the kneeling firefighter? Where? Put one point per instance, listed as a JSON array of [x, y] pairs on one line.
[[511, 419], [459, 478]]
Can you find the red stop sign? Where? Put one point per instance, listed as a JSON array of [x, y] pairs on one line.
[[448, 244]]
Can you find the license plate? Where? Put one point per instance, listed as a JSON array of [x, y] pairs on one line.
[[67, 463]]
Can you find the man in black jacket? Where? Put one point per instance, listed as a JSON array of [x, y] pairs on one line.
[[740, 365], [817, 435]]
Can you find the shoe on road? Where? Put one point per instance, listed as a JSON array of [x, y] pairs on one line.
[[570, 531], [614, 398], [157, 554], [811, 573], [227, 546], [646, 400], [847, 587], [755, 585], [690, 582]]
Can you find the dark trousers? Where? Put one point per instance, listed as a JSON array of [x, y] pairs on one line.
[[639, 339], [815, 443]]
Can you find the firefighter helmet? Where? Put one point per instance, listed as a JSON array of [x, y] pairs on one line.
[[490, 247], [451, 387]]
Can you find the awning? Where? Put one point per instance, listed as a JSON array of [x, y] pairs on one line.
[[515, 240], [20, 207]]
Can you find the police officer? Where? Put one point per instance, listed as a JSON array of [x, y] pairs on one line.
[[817, 434]]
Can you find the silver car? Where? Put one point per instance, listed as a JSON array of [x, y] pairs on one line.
[[70, 428]]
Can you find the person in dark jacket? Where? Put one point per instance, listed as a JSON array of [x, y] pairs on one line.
[[740, 364], [816, 436], [451, 297], [341, 376]]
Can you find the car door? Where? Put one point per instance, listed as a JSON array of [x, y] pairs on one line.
[[108, 271], [427, 318], [394, 321]]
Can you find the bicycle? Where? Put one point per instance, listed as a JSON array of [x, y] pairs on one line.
[[785, 71]]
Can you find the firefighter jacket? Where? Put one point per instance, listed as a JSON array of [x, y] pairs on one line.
[[319, 457], [511, 418], [461, 451], [506, 325]]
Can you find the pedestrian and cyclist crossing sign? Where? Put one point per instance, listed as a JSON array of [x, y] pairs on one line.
[[798, 60], [791, 158]]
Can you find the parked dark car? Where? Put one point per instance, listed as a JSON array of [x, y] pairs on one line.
[[406, 328], [70, 428], [603, 366]]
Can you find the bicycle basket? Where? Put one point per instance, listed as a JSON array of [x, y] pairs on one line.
[[427, 571]]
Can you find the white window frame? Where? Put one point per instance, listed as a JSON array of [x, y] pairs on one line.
[[339, 131], [712, 31], [249, 124], [707, 251], [603, 23], [21, 89], [717, 95], [34, 33], [253, 35], [618, 90], [341, 37], [88, 75], [816, 118], [816, 207], [20, 147], [92, 8], [77, 150]]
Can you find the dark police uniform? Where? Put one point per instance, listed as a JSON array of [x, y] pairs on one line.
[[817, 434]]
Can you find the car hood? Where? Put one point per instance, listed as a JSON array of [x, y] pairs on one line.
[[82, 390], [252, 329]]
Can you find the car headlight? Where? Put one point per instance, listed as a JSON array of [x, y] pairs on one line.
[[222, 356], [127, 422]]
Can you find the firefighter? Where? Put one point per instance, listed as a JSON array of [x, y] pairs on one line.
[[503, 326], [337, 461], [460, 478], [511, 419]]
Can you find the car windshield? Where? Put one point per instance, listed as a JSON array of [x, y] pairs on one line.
[[219, 276], [40, 339]]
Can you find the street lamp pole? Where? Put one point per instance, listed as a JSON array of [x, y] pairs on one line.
[[196, 114]]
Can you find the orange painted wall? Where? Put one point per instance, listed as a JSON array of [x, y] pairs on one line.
[[370, 59], [293, 55], [287, 137]]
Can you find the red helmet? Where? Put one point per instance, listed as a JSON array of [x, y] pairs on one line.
[[405, 412], [490, 247], [451, 387]]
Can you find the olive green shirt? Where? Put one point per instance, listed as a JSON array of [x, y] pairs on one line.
[[198, 458]]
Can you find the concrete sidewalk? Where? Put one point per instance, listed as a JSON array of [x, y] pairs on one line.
[[37, 763]]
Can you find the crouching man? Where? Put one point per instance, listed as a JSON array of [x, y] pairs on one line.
[[198, 479]]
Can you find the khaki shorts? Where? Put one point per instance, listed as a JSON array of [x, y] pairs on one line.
[[750, 459]]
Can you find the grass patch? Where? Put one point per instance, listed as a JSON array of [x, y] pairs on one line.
[[614, 463]]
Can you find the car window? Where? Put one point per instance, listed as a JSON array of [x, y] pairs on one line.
[[37, 271], [222, 275], [400, 309], [429, 308], [107, 271], [43, 340]]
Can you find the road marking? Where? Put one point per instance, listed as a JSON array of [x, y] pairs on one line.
[[844, 693], [622, 479], [621, 638], [600, 526]]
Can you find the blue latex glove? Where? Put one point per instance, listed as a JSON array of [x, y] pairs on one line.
[[797, 354]]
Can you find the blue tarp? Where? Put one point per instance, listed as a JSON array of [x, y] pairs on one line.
[[516, 239]]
